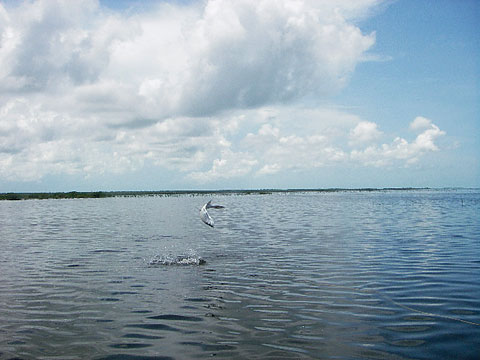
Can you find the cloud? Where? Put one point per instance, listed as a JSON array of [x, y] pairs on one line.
[[211, 90], [192, 61], [51, 44], [364, 132], [269, 169], [290, 152], [228, 165], [84, 89], [274, 149], [252, 53], [420, 123], [400, 150], [426, 140]]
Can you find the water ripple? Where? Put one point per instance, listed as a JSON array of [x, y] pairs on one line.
[[302, 275]]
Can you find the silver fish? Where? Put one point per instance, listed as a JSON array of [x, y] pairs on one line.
[[205, 216]]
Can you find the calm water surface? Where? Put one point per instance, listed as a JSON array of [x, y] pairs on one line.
[[345, 275]]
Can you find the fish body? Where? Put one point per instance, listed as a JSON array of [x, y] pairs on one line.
[[205, 216]]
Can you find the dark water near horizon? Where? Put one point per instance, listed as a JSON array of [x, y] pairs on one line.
[[345, 275]]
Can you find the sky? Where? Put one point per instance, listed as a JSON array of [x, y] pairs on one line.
[[245, 94]]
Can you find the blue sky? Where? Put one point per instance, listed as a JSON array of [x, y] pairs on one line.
[[249, 94]]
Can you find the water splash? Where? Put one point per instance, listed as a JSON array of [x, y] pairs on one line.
[[177, 260]]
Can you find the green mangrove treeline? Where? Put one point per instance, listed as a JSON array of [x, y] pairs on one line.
[[53, 195], [105, 194]]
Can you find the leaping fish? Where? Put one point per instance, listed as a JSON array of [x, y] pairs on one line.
[[205, 216]]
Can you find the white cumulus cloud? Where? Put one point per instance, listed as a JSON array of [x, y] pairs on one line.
[[85, 89], [364, 132], [400, 150], [420, 123], [211, 89]]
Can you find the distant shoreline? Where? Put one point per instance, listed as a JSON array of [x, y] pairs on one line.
[[107, 194]]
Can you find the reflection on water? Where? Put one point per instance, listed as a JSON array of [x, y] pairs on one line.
[[301, 275]]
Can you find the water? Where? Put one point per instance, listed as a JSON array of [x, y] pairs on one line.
[[345, 275]]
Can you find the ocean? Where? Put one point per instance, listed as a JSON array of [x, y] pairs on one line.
[[294, 275]]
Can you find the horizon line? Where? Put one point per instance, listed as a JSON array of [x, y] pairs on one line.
[[263, 191]]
